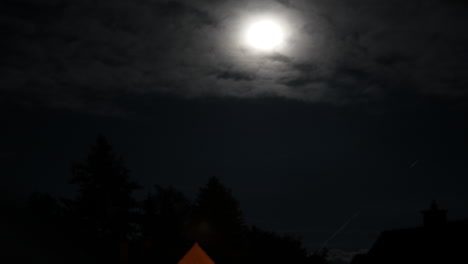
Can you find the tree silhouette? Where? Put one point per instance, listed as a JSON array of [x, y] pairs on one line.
[[104, 198], [44, 207], [165, 219], [319, 256], [218, 222], [269, 247]]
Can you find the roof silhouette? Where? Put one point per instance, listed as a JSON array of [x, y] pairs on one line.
[[437, 241], [196, 255]]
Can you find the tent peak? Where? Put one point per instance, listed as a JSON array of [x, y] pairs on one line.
[[196, 255]]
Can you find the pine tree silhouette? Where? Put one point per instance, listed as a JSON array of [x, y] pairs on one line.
[[104, 200]]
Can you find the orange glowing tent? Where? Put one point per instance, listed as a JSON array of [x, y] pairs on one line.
[[196, 255]]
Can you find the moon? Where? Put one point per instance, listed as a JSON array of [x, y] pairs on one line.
[[264, 35]]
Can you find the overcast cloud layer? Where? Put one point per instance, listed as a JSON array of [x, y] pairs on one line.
[[78, 54]]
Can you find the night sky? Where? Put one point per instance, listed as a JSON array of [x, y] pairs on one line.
[[359, 115]]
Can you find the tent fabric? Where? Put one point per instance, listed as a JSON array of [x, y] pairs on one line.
[[196, 255]]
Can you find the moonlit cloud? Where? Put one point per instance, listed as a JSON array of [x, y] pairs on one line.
[[79, 53]]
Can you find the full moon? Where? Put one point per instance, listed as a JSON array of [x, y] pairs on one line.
[[264, 35]]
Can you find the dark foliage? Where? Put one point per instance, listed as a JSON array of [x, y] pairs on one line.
[[164, 224], [45, 207], [104, 200], [106, 223], [268, 247], [100, 217], [217, 222]]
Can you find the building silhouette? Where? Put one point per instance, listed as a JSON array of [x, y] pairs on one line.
[[436, 241]]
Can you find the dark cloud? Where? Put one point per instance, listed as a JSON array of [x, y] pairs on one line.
[[287, 3], [280, 58], [56, 52], [235, 75], [391, 59], [177, 10], [301, 81]]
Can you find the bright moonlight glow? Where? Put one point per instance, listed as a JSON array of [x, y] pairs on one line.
[[264, 35]]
